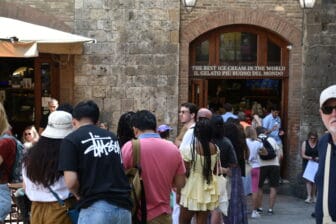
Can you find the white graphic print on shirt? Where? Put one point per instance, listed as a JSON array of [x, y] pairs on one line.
[[101, 145]]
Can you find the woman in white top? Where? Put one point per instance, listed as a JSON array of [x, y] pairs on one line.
[[254, 146], [40, 173]]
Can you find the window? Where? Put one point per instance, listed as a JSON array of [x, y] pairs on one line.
[[239, 45], [202, 53], [238, 48]]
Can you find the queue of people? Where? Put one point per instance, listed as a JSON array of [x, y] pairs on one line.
[[83, 164]]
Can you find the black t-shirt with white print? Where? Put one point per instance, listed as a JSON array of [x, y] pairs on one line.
[[94, 153]]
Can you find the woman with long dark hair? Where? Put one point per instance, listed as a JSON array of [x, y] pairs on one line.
[[200, 194], [228, 157], [41, 175], [124, 129], [237, 212]]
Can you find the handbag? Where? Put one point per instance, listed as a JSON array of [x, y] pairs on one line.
[[326, 216], [223, 201], [248, 168], [73, 213]]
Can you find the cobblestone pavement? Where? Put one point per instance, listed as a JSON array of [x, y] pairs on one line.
[[287, 210]]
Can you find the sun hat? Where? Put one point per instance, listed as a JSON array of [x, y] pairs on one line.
[[59, 125], [163, 128], [327, 94]]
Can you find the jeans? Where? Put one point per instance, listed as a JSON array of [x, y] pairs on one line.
[[5, 201], [102, 212]]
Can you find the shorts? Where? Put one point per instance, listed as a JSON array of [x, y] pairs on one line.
[[272, 173], [255, 174], [5, 201]]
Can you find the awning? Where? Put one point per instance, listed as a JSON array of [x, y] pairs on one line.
[[34, 39]]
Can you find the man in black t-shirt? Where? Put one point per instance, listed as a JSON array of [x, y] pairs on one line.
[[91, 160]]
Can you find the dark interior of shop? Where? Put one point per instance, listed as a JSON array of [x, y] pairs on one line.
[[244, 93], [17, 92]]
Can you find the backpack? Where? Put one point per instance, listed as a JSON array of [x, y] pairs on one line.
[[16, 173], [134, 177], [271, 154]]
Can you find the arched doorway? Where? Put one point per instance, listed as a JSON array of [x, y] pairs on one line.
[[244, 65]]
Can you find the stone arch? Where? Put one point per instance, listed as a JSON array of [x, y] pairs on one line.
[[32, 15]]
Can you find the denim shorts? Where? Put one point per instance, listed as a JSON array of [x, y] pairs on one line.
[[5, 201], [101, 212]]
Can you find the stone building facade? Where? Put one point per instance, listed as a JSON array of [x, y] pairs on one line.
[[142, 56]]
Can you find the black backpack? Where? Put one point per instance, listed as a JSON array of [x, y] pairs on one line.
[[271, 154]]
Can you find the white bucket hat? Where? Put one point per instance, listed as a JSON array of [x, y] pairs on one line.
[[59, 125]]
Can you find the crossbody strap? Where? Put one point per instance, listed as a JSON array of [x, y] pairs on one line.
[[59, 200], [137, 163], [326, 183], [136, 152]]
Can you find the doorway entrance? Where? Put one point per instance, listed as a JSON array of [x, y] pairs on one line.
[[26, 84], [243, 65]]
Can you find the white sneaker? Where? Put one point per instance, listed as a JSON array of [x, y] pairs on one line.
[[308, 200], [255, 214], [314, 200]]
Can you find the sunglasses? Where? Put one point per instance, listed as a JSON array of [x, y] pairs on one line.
[[27, 134], [328, 109]]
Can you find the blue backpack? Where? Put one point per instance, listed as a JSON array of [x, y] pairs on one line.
[[16, 173]]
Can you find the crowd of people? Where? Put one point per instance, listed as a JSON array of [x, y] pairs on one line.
[[77, 162]]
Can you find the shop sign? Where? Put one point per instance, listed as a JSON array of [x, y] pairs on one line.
[[241, 70]]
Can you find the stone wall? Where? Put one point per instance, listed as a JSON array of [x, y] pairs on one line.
[[134, 65], [318, 63]]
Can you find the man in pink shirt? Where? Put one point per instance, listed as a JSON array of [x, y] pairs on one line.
[[161, 163]]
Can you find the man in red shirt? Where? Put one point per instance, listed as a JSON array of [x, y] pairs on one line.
[[161, 164]]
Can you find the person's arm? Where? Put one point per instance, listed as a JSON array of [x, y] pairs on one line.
[[72, 183]]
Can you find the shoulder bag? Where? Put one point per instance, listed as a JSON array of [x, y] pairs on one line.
[[73, 213], [138, 191], [223, 201]]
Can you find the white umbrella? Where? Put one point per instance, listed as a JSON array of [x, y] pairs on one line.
[[32, 38]]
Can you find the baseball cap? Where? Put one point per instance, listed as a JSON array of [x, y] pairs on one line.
[[163, 128], [328, 93], [59, 125]]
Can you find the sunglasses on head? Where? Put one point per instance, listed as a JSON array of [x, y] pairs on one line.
[[328, 109]]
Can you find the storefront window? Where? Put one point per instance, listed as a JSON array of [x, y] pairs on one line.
[[238, 48], [202, 53], [46, 86], [273, 53]]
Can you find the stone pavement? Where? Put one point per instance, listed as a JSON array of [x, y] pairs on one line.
[[287, 210]]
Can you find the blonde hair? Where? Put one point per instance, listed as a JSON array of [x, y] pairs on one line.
[[250, 132], [4, 125], [35, 134]]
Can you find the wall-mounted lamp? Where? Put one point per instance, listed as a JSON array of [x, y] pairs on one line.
[[307, 4], [189, 4]]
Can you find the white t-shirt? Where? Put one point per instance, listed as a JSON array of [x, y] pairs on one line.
[[254, 146], [187, 137], [40, 193]]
